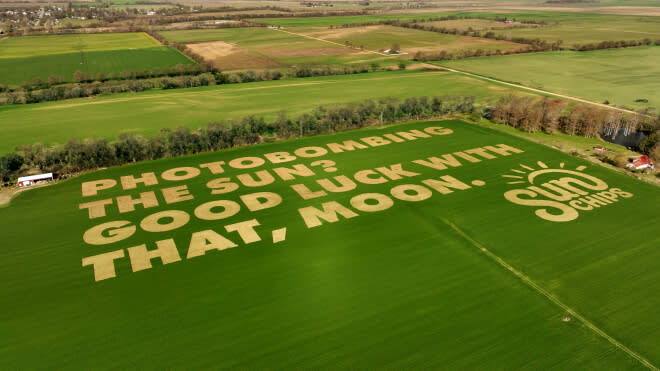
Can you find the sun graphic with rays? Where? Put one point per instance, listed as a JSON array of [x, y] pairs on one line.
[[528, 174]]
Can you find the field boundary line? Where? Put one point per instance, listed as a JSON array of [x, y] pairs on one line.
[[581, 100], [550, 297], [331, 42]]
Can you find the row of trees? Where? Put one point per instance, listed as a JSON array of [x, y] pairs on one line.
[[611, 44], [70, 91], [553, 115], [535, 44], [78, 155]]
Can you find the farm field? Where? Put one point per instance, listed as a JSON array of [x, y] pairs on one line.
[[425, 282], [148, 112], [254, 47], [338, 21], [619, 76], [30, 46], [578, 28], [382, 37], [14, 71], [26, 57]]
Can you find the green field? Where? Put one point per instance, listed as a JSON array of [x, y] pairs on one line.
[[19, 70], [148, 112], [580, 28], [26, 57], [429, 284], [277, 47], [382, 37], [30, 46], [620, 76], [338, 21]]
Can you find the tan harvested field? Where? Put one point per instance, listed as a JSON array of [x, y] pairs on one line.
[[226, 56]]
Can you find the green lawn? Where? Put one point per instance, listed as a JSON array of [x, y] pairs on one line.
[[14, 71], [148, 112], [408, 287], [618, 75]]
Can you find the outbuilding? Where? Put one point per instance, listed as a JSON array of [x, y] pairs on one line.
[[34, 179], [644, 162]]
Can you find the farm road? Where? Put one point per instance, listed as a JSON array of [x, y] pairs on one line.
[[534, 89], [330, 42]]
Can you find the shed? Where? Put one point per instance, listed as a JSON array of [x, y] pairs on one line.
[[34, 179]]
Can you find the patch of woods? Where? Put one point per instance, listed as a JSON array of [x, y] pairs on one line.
[[556, 116], [91, 153]]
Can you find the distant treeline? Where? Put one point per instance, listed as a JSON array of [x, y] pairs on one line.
[[612, 44], [77, 155]]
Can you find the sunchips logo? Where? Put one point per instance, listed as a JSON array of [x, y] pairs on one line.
[[559, 195]]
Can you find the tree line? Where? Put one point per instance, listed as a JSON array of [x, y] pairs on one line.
[[78, 155], [28, 94], [553, 115], [527, 114]]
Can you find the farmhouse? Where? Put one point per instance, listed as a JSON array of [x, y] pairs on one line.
[[34, 179], [644, 162]]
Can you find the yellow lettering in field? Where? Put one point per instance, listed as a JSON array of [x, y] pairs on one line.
[[127, 203], [131, 182], [214, 167], [177, 219], [203, 241], [245, 230], [379, 202], [176, 194], [96, 209], [141, 257], [206, 210], [261, 200], [92, 188], [330, 212], [221, 185], [109, 232], [104, 264], [180, 173]]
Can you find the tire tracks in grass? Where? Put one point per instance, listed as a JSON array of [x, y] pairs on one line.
[[529, 282]]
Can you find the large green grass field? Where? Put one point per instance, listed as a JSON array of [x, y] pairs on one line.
[[148, 112], [26, 57], [427, 266], [619, 76]]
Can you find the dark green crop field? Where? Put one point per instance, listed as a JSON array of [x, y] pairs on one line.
[[24, 58], [425, 245], [15, 71]]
